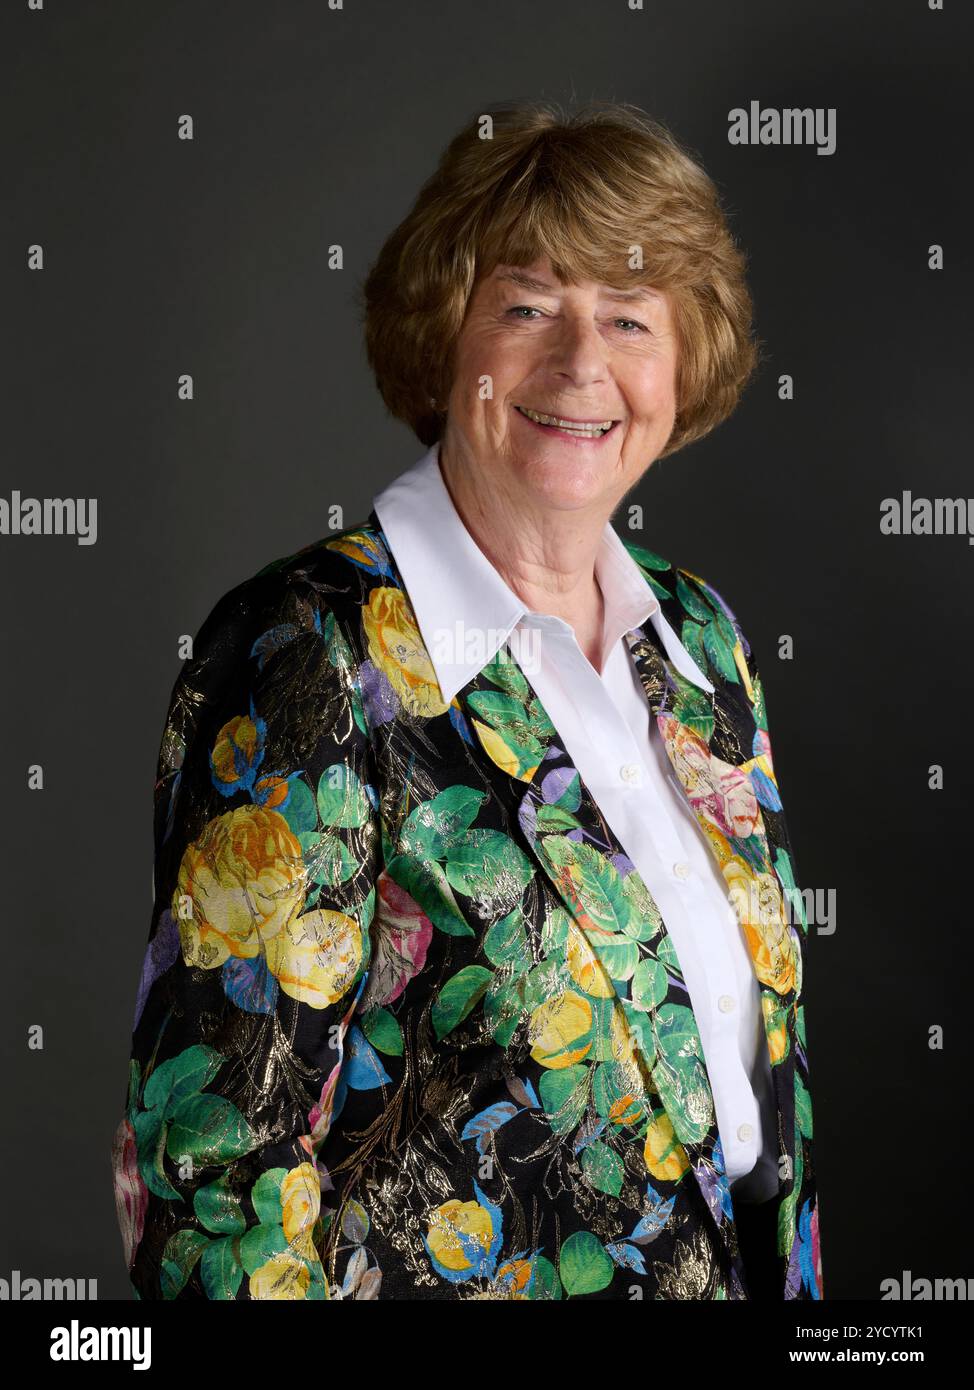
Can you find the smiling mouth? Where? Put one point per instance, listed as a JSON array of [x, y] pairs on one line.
[[583, 429]]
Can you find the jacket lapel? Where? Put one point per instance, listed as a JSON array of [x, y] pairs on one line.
[[626, 942]]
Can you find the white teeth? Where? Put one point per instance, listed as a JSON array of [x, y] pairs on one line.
[[570, 426]]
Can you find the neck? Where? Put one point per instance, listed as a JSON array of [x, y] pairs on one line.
[[547, 557]]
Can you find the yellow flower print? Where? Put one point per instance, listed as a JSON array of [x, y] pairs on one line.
[[664, 1155], [560, 1030], [776, 1028], [236, 744], [585, 967], [290, 1273], [300, 1204], [757, 900], [239, 891], [245, 879], [451, 1225], [316, 958], [508, 759], [397, 649], [282, 1276], [623, 1042]]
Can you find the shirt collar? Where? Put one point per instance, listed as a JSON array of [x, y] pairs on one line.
[[464, 609]]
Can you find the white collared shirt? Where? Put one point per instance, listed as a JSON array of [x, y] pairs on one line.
[[606, 726]]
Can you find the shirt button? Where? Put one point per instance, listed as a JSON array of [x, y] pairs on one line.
[[681, 869], [744, 1133], [725, 1003], [629, 772]]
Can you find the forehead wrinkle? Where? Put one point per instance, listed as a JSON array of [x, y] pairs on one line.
[[531, 282]]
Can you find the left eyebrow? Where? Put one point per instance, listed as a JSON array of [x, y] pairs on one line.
[[633, 296]]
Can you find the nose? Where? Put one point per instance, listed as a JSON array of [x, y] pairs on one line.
[[578, 353]]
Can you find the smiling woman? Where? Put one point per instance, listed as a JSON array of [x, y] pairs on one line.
[[471, 972], [608, 196]]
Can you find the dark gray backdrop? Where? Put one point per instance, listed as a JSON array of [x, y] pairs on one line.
[[162, 256]]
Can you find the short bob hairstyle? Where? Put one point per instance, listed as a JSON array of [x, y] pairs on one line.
[[596, 192]]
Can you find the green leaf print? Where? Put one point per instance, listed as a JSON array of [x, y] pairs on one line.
[[694, 707], [503, 1009], [757, 703], [261, 1242], [341, 797], [219, 1209], [426, 883], [220, 1270], [721, 652], [583, 1264], [458, 997], [545, 1284], [692, 602], [614, 1096], [382, 1029], [265, 1195], [301, 812], [182, 1076], [597, 882], [508, 717], [150, 1143], [645, 920], [327, 858], [504, 671], [649, 983], [179, 1260], [506, 942], [208, 1129], [648, 559], [603, 1168], [433, 827], [489, 866], [691, 635], [552, 819], [803, 1107], [564, 1095], [679, 1073]]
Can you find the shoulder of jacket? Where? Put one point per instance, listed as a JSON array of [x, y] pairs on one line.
[[668, 581], [689, 598], [333, 574]]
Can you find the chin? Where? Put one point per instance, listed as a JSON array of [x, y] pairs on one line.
[[570, 484]]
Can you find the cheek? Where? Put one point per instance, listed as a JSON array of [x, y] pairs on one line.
[[489, 357], [653, 394]]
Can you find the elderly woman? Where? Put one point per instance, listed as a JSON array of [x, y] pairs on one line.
[[473, 971]]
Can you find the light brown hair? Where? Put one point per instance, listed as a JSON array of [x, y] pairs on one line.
[[583, 190]]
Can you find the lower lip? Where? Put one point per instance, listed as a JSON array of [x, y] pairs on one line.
[[553, 430]]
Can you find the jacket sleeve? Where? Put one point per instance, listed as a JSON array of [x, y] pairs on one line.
[[267, 849]]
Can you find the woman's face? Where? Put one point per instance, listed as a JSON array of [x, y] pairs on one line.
[[584, 353]]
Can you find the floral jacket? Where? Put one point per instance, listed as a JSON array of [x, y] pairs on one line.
[[410, 1025]]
